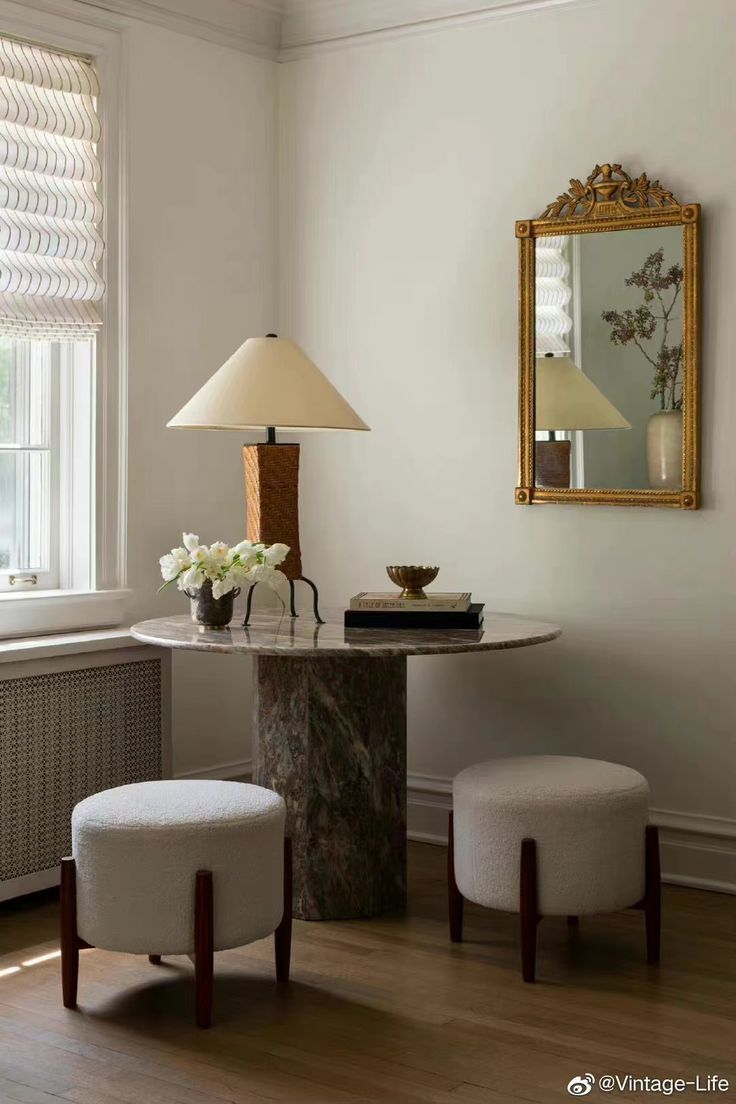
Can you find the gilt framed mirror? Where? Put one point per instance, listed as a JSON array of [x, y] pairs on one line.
[[608, 346]]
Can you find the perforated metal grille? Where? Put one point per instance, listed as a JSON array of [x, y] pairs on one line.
[[64, 736]]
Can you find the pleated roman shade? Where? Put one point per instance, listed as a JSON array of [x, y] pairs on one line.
[[553, 294], [50, 212]]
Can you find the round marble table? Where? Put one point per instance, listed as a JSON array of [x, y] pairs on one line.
[[329, 734]]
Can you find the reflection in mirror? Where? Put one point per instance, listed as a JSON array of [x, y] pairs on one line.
[[609, 367]]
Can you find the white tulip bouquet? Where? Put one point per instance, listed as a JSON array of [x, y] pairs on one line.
[[226, 568]]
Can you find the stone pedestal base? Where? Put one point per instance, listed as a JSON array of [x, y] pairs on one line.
[[330, 736]]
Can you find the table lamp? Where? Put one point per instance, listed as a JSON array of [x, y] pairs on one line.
[[566, 399], [270, 383]]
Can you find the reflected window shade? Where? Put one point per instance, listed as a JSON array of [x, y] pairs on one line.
[[50, 210], [553, 294]]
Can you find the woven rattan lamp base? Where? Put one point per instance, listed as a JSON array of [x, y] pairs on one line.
[[272, 505], [272, 499], [552, 463]]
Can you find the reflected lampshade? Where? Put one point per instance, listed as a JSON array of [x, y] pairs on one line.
[[565, 398]]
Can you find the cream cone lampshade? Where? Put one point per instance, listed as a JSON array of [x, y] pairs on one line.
[[566, 398], [268, 381]]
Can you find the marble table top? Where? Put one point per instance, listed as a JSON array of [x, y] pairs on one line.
[[274, 633]]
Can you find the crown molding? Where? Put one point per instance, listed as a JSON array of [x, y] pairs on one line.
[[310, 26], [285, 30], [253, 26]]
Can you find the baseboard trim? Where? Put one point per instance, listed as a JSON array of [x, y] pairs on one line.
[[711, 884], [240, 768], [429, 784], [426, 837], [695, 823], [29, 883], [698, 850]]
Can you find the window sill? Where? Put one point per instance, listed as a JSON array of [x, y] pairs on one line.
[[29, 613], [74, 643]]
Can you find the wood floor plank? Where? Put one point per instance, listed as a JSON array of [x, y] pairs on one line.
[[378, 1010], [14, 1092]]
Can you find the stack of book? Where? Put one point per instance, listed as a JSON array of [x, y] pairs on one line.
[[378, 610]]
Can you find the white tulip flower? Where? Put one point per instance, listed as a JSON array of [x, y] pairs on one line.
[[191, 579], [276, 554], [264, 573], [190, 541], [200, 556], [169, 568], [173, 563], [261, 573], [248, 558], [219, 552], [239, 573], [220, 587]]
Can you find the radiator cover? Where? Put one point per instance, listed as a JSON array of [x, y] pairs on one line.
[[65, 734]]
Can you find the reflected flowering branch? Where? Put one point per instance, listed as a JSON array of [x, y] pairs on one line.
[[661, 289]]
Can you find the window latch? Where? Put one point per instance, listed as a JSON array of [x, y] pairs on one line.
[[23, 580]]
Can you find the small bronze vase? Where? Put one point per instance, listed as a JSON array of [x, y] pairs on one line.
[[215, 613]]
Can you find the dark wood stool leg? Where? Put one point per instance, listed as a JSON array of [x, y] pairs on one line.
[[454, 896], [69, 937], [652, 893], [528, 908], [573, 921], [204, 942], [282, 935], [155, 960]]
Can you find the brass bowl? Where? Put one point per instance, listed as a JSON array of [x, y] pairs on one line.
[[412, 579]]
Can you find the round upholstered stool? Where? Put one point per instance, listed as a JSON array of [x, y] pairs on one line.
[[181, 867], [552, 835]]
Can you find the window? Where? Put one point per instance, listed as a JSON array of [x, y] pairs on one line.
[[51, 289], [26, 444], [46, 464]]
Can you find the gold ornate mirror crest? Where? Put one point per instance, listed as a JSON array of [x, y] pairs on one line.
[[608, 346]]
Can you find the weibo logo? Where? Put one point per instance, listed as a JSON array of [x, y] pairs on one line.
[[581, 1086]]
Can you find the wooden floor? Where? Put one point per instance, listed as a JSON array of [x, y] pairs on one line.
[[381, 1010]]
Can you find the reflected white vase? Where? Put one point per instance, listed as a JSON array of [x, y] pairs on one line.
[[664, 450]]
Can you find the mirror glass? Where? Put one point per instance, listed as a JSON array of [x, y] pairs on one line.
[[609, 359]]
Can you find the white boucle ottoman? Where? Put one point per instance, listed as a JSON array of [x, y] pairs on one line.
[[177, 867], [552, 835]]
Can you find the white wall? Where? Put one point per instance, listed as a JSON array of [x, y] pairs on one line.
[[404, 165], [201, 122]]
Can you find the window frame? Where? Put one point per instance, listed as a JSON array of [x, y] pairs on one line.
[[99, 36], [45, 574]]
